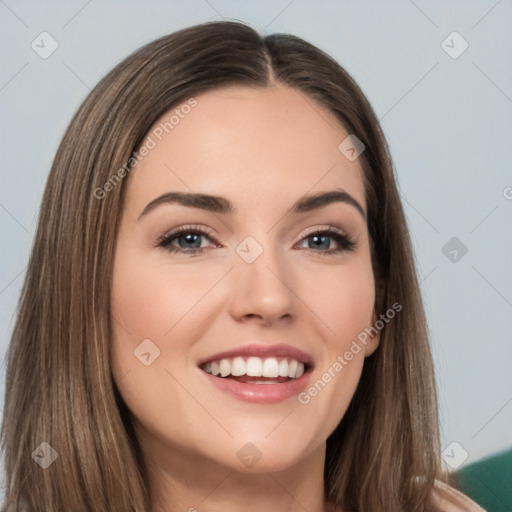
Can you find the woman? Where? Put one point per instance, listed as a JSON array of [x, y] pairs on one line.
[[221, 310]]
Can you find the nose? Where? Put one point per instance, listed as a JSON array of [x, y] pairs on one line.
[[263, 290]]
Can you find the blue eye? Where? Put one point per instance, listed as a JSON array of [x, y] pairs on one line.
[[320, 239], [187, 236], [189, 241]]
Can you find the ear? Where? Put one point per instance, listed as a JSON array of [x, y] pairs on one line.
[[373, 339]]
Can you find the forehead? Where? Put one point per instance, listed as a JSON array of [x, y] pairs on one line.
[[274, 144]]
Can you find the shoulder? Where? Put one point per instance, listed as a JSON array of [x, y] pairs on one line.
[[449, 499], [446, 499]]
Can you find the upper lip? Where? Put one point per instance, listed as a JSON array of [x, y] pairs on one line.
[[258, 350]]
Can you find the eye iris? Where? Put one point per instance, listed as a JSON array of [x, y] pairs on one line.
[[325, 239], [189, 238]]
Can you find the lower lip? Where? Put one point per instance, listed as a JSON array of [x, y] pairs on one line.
[[260, 393]]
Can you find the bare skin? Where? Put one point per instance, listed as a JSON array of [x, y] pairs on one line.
[[262, 149]]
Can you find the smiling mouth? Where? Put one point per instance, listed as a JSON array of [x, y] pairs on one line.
[[257, 370]]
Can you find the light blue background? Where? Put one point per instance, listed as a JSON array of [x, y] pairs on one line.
[[448, 122]]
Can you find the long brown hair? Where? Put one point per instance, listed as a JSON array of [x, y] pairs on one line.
[[384, 455]]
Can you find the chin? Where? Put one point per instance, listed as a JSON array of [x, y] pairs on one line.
[[263, 456]]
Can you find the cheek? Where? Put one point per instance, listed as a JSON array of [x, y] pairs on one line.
[[343, 299], [154, 302], [147, 303], [148, 299], [170, 305]]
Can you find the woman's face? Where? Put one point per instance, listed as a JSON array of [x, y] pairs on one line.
[[244, 290]]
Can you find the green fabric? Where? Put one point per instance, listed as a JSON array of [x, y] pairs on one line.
[[489, 482]]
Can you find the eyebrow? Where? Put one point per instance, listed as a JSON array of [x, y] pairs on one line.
[[219, 204]]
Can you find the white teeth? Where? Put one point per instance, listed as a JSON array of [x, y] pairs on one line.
[[292, 368], [225, 367], [254, 367], [237, 367], [283, 368], [215, 368], [270, 367]]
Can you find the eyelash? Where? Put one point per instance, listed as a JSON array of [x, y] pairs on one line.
[[345, 242]]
